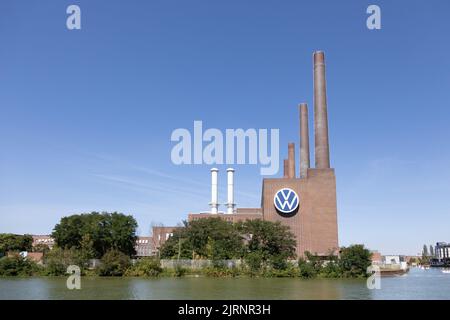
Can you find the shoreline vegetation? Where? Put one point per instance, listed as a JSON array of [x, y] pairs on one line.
[[254, 248], [17, 266]]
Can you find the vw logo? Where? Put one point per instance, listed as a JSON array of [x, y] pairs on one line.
[[286, 201]]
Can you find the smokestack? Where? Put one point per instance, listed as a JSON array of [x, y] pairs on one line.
[[214, 194], [285, 168], [304, 140], [322, 153], [291, 160], [230, 189]]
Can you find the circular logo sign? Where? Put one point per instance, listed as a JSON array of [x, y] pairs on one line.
[[286, 200]]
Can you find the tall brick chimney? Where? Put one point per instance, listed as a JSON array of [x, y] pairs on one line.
[[285, 168], [322, 153], [304, 140], [291, 160]]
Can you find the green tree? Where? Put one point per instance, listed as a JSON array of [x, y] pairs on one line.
[[274, 242], [254, 261], [58, 259], [210, 238], [15, 265], [114, 263], [176, 247], [15, 242], [354, 261], [87, 247], [214, 238], [41, 247], [96, 233]]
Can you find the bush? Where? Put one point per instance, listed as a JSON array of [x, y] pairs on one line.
[[57, 260], [279, 262], [330, 269], [290, 271], [17, 266], [306, 269], [254, 261], [354, 261], [114, 263], [149, 267], [179, 271]]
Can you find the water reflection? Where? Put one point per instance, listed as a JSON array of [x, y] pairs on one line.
[[417, 284]]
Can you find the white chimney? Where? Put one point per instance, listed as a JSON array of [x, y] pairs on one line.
[[230, 190], [214, 194]]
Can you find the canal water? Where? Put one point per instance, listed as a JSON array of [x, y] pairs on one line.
[[417, 284]]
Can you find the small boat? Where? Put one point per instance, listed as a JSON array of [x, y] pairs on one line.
[[445, 270]]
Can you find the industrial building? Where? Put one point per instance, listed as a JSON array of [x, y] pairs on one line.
[[442, 255], [304, 201], [442, 250]]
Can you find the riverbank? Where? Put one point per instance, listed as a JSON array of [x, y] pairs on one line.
[[121, 266], [149, 270], [351, 263]]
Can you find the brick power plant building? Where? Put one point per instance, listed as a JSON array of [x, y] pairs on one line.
[[306, 202]]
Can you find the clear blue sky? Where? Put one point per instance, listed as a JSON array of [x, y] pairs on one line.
[[86, 116]]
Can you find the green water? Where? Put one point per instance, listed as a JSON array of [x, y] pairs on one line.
[[417, 284]]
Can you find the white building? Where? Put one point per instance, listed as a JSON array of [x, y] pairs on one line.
[[442, 251], [391, 259], [43, 239], [144, 247]]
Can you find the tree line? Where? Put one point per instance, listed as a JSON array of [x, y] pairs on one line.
[[15, 242], [267, 249]]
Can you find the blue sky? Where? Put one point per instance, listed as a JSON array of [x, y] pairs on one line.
[[86, 115]]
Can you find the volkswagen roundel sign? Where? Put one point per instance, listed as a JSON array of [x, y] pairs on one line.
[[286, 201]]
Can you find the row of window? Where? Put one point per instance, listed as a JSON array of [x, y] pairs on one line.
[[443, 252], [168, 235], [144, 252], [44, 240]]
